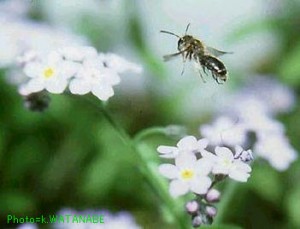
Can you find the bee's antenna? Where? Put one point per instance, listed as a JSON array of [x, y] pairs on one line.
[[163, 31], [187, 28]]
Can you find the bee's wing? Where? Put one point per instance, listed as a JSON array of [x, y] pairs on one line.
[[216, 52], [171, 56]]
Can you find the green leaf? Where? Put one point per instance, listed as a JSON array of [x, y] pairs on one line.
[[293, 206], [289, 70], [222, 226], [253, 28], [16, 203], [265, 182]]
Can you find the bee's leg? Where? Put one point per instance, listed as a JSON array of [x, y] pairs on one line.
[[201, 76], [183, 66], [186, 55], [217, 79], [204, 70], [183, 61]]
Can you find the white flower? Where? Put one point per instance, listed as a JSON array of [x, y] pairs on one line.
[[79, 67], [51, 74], [99, 73], [276, 149], [188, 174], [226, 164], [188, 144], [224, 131], [94, 77]]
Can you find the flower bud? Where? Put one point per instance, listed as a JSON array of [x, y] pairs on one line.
[[213, 195], [211, 211], [192, 207], [197, 221], [244, 155]]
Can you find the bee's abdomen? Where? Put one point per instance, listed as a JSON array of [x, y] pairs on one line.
[[222, 71], [214, 65]]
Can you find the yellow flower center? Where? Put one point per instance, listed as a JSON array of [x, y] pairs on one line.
[[187, 174], [48, 72], [227, 162]]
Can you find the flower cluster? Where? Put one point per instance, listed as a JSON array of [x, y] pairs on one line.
[[197, 170], [195, 166], [253, 111], [80, 69]]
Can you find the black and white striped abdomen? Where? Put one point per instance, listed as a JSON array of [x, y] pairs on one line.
[[214, 65]]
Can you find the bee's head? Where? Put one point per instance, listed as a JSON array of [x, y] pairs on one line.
[[184, 41]]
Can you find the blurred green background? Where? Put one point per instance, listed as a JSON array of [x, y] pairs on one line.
[[69, 155]]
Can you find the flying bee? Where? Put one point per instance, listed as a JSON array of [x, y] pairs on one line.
[[191, 48]]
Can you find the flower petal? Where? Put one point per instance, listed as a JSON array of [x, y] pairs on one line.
[[224, 152], [203, 143], [79, 86], [102, 91], [201, 184], [33, 69], [220, 169], [178, 188], [166, 151], [187, 143], [169, 171], [69, 69], [204, 166], [72, 53], [54, 58], [89, 52], [241, 166], [239, 176], [56, 86], [34, 85], [119, 64], [186, 160], [110, 76], [208, 155]]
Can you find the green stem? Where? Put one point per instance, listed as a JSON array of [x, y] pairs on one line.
[[148, 171], [225, 201], [148, 132], [159, 187]]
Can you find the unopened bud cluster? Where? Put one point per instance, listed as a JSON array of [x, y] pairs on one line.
[[201, 209]]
